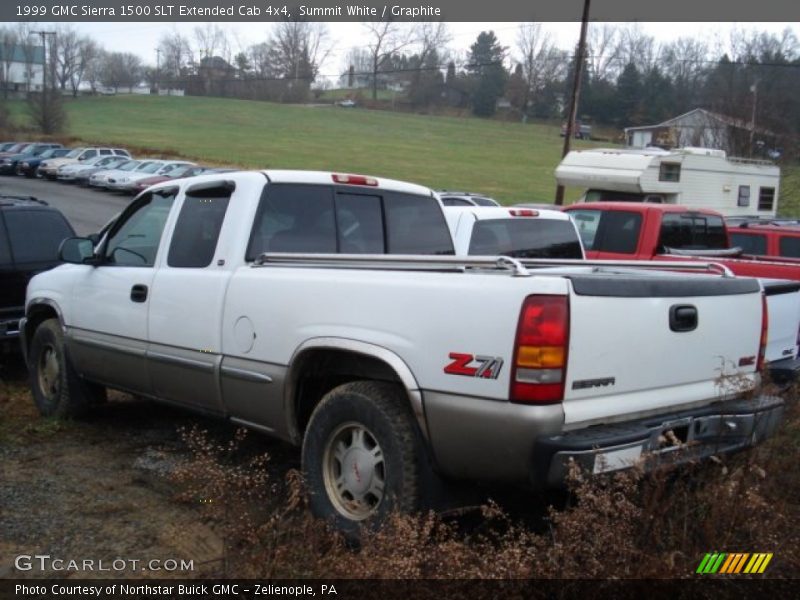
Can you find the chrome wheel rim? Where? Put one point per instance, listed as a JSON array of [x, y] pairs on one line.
[[354, 471], [49, 372]]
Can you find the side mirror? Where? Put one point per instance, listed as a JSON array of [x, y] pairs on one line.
[[78, 251]]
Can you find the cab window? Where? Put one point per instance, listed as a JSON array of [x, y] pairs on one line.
[[134, 240]]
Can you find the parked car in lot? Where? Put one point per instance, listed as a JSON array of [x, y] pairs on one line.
[[29, 167], [100, 178], [177, 173], [30, 235], [515, 232], [49, 168], [776, 239], [69, 172], [9, 162], [450, 198], [329, 310], [127, 182], [82, 176]]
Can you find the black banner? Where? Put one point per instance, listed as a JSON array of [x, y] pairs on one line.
[[697, 587], [399, 10]]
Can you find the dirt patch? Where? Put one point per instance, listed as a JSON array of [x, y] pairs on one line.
[[100, 488]]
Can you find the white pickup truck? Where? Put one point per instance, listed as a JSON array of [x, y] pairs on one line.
[[329, 310]]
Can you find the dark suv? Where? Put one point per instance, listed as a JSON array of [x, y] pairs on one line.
[[30, 235]]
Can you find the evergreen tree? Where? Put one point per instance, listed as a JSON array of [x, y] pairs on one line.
[[629, 97], [487, 72]]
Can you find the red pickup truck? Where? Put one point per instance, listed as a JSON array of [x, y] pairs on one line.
[[639, 231]]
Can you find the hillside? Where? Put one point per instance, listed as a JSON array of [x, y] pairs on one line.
[[510, 161]]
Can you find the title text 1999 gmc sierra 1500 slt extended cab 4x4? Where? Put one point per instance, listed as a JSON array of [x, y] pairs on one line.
[[329, 310]]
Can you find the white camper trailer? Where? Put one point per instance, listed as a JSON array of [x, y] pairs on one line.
[[696, 177]]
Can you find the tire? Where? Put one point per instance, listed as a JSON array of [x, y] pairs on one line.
[[57, 389], [364, 426]]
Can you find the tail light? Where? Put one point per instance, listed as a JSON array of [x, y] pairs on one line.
[[540, 351], [355, 180], [762, 347], [524, 212]]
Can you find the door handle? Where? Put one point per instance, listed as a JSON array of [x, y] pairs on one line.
[[683, 317], [139, 293]]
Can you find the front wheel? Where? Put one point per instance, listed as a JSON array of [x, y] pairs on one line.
[[361, 456], [57, 389]]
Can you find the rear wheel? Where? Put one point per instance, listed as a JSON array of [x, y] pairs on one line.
[[361, 455], [57, 389]]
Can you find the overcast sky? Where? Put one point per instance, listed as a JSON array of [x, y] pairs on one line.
[[142, 38]]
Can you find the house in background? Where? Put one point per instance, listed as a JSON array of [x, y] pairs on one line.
[[699, 128], [21, 68]]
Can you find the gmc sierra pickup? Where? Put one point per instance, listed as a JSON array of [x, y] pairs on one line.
[[330, 311]]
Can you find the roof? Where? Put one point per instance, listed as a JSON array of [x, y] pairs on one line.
[[21, 201], [640, 207], [484, 213], [22, 54], [723, 120]]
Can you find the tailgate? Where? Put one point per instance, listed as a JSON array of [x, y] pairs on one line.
[[642, 344], [783, 302]]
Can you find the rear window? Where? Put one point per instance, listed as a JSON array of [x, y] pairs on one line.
[[789, 246], [750, 243], [693, 231], [36, 235], [320, 219], [450, 201], [525, 238], [608, 231]]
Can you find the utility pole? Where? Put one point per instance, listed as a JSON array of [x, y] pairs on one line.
[[576, 91], [45, 108], [754, 89]]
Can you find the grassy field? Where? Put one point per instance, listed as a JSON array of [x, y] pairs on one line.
[[510, 161]]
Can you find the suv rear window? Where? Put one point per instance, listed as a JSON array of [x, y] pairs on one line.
[[692, 231], [525, 238], [36, 235], [750, 243], [303, 218]]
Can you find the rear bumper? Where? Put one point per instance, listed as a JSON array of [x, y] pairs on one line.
[[676, 438], [785, 371]]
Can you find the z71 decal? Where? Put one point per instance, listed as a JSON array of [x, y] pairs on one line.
[[485, 367]]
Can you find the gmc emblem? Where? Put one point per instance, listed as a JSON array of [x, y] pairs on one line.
[[485, 367]]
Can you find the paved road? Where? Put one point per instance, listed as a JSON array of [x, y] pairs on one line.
[[87, 209]]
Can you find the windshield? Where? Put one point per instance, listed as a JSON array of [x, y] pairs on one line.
[[48, 153], [74, 153], [129, 166], [92, 161], [26, 148], [178, 172], [149, 167], [523, 237], [111, 162]]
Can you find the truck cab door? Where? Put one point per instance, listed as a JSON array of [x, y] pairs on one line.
[[187, 302], [107, 325]]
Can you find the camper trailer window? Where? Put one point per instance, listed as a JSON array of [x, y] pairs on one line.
[[669, 172], [766, 198], [744, 195]]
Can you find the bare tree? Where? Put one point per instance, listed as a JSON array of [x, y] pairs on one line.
[[432, 38], [176, 55], [386, 38], [541, 61], [64, 54], [603, 51], [121, 69], [296, 49], [636, 47], [88, 53], [211, 40]]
